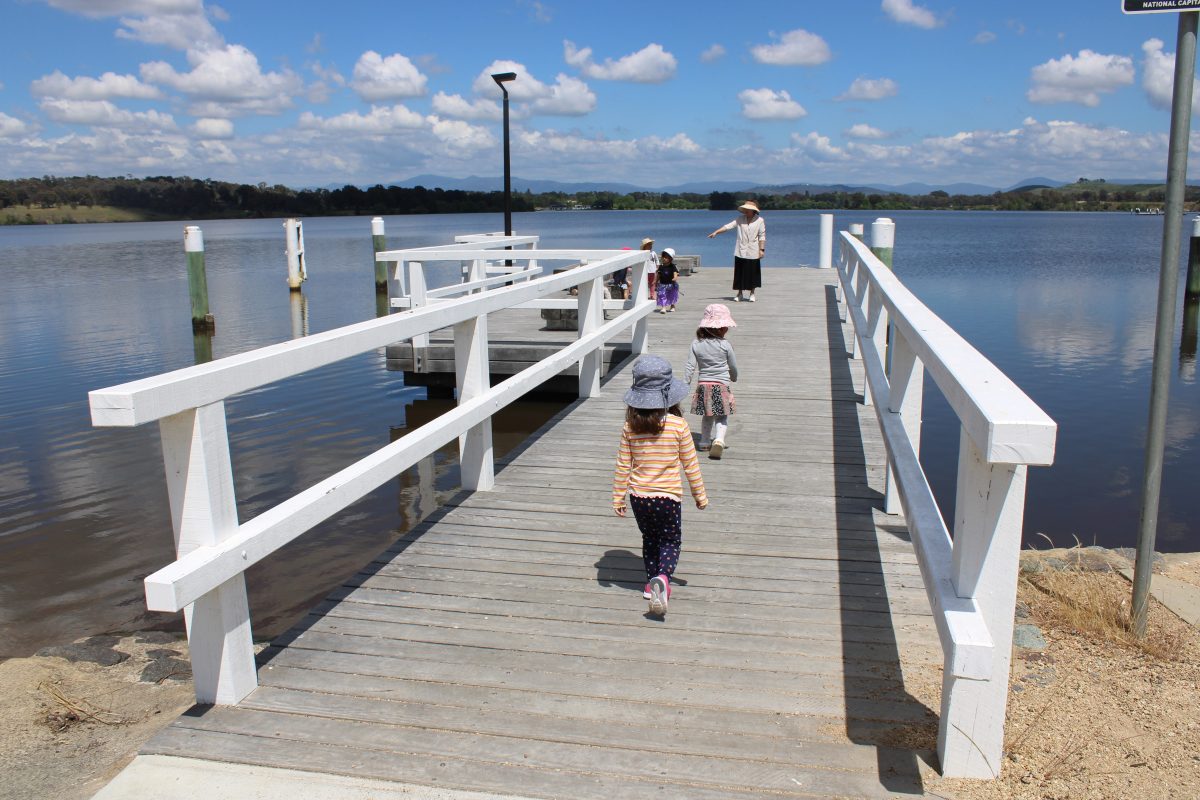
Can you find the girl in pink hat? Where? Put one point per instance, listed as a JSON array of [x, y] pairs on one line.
[[711, 360]]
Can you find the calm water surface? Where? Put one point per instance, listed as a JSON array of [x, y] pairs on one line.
[[1063, 303]]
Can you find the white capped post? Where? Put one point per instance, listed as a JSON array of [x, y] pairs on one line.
[[294, 237], [826, 254], [378, 245], [883, 239]]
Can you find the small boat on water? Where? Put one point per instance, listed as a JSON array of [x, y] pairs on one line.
[[1146, 212]]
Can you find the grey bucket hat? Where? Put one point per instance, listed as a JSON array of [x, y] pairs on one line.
[[654, 386]]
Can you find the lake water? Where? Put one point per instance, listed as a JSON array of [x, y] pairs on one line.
[[1063, 303]]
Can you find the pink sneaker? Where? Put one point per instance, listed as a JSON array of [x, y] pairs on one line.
[[660, 594], [646, 592]]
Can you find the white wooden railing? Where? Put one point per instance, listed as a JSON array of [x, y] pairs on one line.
[[214, 549], [971, 579]]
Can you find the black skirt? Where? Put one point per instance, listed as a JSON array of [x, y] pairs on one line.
[[747, 273]]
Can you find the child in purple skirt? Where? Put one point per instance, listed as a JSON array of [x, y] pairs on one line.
[[668, 282]]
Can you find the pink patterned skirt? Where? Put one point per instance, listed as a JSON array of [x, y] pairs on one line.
[[712, 399]]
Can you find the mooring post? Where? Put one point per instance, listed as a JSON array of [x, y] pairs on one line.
[[294, 235], [883, 239], [1191, 289], [1187, 341], [826, 254], [193, 245], [379, 244], [856, 230]]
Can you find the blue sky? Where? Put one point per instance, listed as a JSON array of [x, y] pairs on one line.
[[857, 91]]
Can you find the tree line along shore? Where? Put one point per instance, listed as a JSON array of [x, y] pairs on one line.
[[55, 200]]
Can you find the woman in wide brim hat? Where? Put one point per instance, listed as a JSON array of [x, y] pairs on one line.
[[748, 250]]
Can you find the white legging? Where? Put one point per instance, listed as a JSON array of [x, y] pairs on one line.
[[713, 428]]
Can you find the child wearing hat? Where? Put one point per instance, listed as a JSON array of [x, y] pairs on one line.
[[668, 282], [711, 360], [655, 442], [652, 278]]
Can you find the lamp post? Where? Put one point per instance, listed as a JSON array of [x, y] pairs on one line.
[[501, 78]]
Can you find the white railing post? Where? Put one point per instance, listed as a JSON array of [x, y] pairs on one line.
[[473, 373], [906, 398], [876, 331], [988, 513], [861, 289], [591, 317], [826, 254], [417, 299], [640, 341], [195, 447]]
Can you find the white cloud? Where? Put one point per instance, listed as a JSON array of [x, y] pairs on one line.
[[461, 138], [210, 128], [984, 37], [795, 48], [870, 89], [178, 24], [865, 131], [230, 79], [1158, 76], [818, 148], [107, 86], [380, 119], [102, 113], [392, 78], [651, 64], [904, 12], [769, 104], [1080, 79], [714, 53], [11, 127], [457, 106], [567, 97]]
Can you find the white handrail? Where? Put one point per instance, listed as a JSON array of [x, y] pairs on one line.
[[213, 550], [971, 578]]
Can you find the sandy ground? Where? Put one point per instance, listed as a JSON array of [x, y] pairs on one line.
[[1087, 719], [67, 727]]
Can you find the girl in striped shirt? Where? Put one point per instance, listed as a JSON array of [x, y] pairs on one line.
[[655, 443]]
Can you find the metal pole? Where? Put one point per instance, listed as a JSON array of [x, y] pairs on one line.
[[1168, 283], [507, 172]]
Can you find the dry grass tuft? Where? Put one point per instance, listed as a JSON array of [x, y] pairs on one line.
[[1098, 605]]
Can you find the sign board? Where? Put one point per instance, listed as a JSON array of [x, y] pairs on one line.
[[1158, 6]]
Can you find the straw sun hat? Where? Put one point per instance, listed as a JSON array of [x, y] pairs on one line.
[[749, 205], [654, 385]]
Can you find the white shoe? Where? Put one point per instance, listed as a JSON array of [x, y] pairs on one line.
[[753, 299], [737, 298]]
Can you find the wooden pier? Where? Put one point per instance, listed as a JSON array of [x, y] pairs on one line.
[[503, 646]]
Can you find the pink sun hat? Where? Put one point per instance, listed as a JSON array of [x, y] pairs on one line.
[[716, 315]]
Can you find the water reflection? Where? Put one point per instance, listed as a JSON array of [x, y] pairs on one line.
[[1187, 342], [202, 342], [298, 303]]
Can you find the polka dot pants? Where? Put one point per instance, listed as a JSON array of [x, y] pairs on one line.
[[660, 519]]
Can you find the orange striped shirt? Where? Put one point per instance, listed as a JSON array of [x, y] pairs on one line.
[[649, 464]]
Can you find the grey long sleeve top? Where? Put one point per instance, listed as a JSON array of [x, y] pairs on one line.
[[711, 360]]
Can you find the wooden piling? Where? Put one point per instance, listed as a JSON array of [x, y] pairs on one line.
[[193, 245], [826, 254], [1191, 289], [855, 229], [379, 244], [883, 239], [294, 235]]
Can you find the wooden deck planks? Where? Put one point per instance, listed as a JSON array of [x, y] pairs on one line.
[[503, 645]]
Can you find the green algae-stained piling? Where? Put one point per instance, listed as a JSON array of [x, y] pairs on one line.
[[1192, 286], [378, 245], [883, 240], [193, 245], [856, 230]]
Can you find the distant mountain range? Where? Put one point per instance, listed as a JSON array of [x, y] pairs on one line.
[[485, 184]]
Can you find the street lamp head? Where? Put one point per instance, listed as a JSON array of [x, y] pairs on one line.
[[503, 77]]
